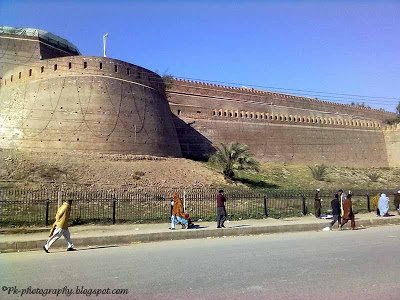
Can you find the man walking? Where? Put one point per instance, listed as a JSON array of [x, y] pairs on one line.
[[60, 227], [335, 211], [221, 212], [317, 204], [342, 197], [348, 213]]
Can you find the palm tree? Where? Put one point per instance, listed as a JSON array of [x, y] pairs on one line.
[[234, 156]]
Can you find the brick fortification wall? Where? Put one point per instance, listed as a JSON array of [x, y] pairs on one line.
[[277, 127], [18, 50], [51, 98], [392, 138], [86, 103]]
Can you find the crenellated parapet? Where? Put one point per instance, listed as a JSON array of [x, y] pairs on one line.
[[278, 99], [82, 66], [394, 127]]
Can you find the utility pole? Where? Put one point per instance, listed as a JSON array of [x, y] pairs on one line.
[[104, 44]]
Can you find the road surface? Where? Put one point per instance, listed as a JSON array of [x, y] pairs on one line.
[[362, 264]]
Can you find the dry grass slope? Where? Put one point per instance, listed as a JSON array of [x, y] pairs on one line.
[[110, 170]]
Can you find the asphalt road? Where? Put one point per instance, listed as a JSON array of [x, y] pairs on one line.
[[362, 264]]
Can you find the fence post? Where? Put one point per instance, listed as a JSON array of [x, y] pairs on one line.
[[265, 206], [368, 204], [114, 206], [304, 206], [59, 198], [47, 212]]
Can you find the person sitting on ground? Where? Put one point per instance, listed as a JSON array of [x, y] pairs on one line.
[[383, 205], [374, 202], [177, 213], [335, 204], [348, 213]]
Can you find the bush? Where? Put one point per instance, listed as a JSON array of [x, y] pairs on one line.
[[234, 156], [374, 176], [318, 172]]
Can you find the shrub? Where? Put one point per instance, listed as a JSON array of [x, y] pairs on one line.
[[234, 156], [318, 172], [374, 176]]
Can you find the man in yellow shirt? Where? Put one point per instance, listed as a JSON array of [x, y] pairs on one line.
[[60, 227]]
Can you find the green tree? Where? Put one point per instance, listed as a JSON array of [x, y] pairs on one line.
[[398, 109], [318, 172], [168, 81], [234, 156]]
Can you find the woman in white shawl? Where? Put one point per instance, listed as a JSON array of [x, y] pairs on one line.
[[383, 205]]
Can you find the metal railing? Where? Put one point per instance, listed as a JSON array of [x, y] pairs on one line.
[[144, 205]]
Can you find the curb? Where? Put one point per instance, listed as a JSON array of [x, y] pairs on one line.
[[115, 240]]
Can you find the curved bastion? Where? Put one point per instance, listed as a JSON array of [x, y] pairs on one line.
[[86, 103]]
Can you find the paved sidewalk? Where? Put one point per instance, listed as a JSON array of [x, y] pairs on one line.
[[120, 234]]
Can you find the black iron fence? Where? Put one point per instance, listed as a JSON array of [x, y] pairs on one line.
[[152, 204]]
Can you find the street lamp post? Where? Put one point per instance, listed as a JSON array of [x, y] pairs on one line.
[[104, 44]]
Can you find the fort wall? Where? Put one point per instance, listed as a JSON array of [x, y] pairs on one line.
[[392, 139], [52, 98], [292, 134], [86, 103], [17, 50], [281, 102]]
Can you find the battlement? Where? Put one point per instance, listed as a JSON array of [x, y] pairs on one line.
[[383, 115], [395, 127], [81, 66]]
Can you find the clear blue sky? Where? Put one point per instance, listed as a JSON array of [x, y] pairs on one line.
[[347, 47]]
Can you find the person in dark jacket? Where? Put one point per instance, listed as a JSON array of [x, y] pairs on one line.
[[317, 204], [348, 213], [221, 212], [396, 200], [335, 204]]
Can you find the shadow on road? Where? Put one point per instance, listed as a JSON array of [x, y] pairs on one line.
[[238, 226], [98, 247], [198, 227]]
